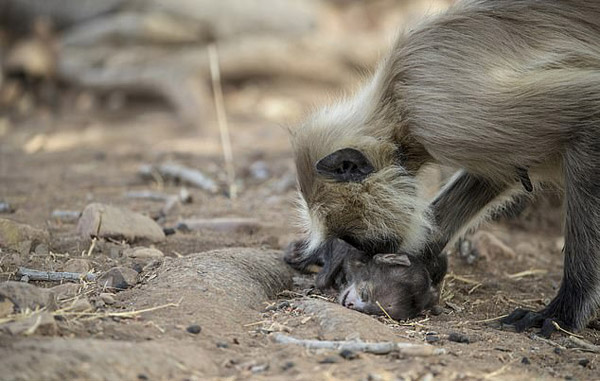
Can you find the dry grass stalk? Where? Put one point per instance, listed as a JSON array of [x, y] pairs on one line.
[[123, 314], [215, 74], [462, 279], [527, 273], [93, 244], [22, 315], [385, 312], [561, 329]]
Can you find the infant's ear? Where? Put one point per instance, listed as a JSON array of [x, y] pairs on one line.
[[392, 259]]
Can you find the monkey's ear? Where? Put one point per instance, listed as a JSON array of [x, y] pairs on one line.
[[392, 259], [347, 164]]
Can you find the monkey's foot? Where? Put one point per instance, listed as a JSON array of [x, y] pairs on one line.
[[522, 319]]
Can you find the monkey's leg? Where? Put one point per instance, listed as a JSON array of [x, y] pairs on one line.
[[579, 295], [465, 199]]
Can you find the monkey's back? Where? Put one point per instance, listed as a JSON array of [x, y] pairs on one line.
[[500, 83]]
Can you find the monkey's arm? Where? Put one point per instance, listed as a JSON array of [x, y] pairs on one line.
[[466, 199], [300, 259]]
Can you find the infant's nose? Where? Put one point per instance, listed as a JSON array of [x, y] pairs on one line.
[[352, 300]]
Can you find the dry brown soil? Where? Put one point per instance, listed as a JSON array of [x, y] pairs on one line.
[[67, 159]]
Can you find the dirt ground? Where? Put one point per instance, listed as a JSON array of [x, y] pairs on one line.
[[232, 282]]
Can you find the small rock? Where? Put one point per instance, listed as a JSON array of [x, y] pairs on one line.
[[24, 295], [118, 278], [348, 354], [459, 338], [287, 365], [194, 328], [525, 361], [259, 368], [81, 305], [185, 196], [105, 221], [66, 290], [279, 306], [584, 362], [41, 323], [329, 360], [558, 351], [222, 344], [107, 298], [233, 224], [169, 231], [432, 339], [77, 265], [20, 237], [143, 253], [5, 207]]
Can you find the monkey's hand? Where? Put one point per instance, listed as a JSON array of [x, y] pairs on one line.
[[548, 319]]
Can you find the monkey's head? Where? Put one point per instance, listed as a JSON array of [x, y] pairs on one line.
[[353, 186], [400, 284], [394, 284]]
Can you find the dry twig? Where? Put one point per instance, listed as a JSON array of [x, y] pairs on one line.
[[379, 348], [54, 276]]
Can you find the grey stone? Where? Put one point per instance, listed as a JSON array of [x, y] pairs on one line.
[[107, 298], [20, 237], [118, 278], [105, 221], [141, 256], [24, 296]]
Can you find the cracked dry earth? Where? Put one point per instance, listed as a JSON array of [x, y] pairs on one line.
[[211, 306]]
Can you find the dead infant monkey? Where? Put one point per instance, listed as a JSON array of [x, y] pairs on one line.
[[395, 284], [490, 86]]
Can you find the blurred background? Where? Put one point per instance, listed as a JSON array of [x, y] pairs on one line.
[[91, 90]]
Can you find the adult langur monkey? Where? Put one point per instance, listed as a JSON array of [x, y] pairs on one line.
[[507, 90]]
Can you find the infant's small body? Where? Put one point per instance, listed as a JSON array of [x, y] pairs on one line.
[[398, 285]]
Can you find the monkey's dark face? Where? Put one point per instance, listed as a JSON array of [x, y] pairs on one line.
[[390, 284]]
